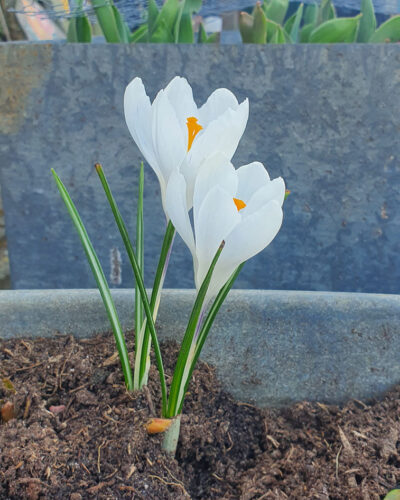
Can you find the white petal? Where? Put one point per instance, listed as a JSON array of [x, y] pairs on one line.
[[216, 170], [252, 235], [274, 190], [168, 140], [218, 102], [138, 116], [251, 178], [215, 219], [176, 208], [248, 238], [180, 95], [221, 135]]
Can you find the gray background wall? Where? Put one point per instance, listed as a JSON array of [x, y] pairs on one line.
[[326, 118]]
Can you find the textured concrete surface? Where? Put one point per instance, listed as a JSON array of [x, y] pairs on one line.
[[326, 118], [4, 265], [269, 347]]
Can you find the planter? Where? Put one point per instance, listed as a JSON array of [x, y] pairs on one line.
[[321, 116], [73, 410], [269, 348]]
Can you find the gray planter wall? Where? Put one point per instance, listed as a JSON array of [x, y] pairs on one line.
[[326, 118], [269, 348]]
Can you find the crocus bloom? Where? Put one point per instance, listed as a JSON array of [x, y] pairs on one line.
[[241, 207], [173, 133]]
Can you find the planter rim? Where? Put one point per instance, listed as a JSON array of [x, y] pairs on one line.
[[270, 348]]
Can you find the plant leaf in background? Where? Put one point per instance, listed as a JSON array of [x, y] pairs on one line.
[[311, 14], [389, 31], [106, 18], [326, 12], [275, 10], [276, 34], [292, 25], [338, 30], [122, 27], [79, 30], [367, 22]]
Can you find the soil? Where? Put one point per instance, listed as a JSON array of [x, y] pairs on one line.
[[78, 434]]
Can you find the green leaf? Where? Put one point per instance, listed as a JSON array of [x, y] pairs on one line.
[[164, 26], [152, 15], [156, 292], [191, 6], [339, 30], [275, 10], [178, 378], [276, 34], [186, 34], [72, 36], [140, 259], [326, 12], [122, 27], [305, 33], [83, 29], [108, 24], [389, 31], [259, 25], [310, 14], [246, 22], [367, 22], [100, 280], [213, 38], [205, 329], [202, 34], [139, 280], [292, 27], [139, 35]]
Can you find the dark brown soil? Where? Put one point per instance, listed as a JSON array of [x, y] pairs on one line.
[[78, 434]]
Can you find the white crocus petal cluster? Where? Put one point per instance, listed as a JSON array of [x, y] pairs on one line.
[[172, 133], [241, 207]]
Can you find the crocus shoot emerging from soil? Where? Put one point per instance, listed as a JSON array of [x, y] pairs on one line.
[[235, 214]]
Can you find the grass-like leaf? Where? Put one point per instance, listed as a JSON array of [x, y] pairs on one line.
[[100, 280]]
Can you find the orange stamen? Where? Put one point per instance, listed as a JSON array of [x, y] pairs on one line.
[[239, 204], [193, 129]]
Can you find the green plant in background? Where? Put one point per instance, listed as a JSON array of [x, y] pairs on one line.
[[170, 24], [314, 24]]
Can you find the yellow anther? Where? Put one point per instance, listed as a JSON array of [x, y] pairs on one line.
[[193, 129], [239, 204]]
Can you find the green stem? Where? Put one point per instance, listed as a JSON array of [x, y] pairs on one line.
[[155, 298], [186, 349], [205, 329], [100, 280], [139, 281]]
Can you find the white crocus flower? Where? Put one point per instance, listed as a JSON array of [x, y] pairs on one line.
[[241, 207], [173, 133]]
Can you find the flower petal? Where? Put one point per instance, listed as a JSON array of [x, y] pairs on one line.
[[248, 238], [176, 208], [274, 190], [216, 218], [180, 96], [218, 102], [216, 170], [168, 140], [138, 116], [221, 135], [251, 178]]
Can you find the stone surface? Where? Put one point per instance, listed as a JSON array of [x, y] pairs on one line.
[[326, 118], [269, 347]]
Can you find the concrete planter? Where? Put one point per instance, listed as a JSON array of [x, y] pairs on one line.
[[269, 347], [323, 117]]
